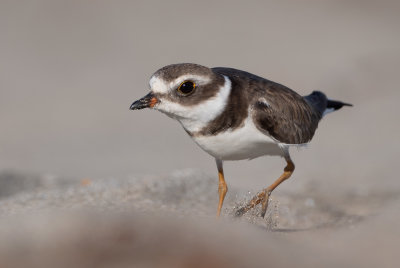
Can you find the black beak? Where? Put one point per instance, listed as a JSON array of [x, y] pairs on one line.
[[147, 101]]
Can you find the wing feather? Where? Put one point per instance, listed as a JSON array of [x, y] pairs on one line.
[[277, 110]]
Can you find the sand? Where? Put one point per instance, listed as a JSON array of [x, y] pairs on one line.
[[84, 182], [170, 222]]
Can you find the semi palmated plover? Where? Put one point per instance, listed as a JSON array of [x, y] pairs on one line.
[[236, 115]]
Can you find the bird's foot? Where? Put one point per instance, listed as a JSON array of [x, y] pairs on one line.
[[261, 197]]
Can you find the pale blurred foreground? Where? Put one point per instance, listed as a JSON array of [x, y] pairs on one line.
[[170, 222]]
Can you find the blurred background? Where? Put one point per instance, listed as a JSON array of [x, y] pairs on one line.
[[69, 71]]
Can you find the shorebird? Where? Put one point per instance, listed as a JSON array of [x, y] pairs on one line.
[[235, 115]]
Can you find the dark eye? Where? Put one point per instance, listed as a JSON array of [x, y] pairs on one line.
[[186, 87]]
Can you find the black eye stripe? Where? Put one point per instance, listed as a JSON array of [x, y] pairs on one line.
[[186, 87]]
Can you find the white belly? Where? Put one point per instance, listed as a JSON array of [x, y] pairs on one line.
[[246, 142]]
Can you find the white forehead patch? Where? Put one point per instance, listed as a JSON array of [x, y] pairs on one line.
[[159, 85]]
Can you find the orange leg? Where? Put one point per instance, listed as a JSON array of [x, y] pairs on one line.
[[263, 196], [222, 187]]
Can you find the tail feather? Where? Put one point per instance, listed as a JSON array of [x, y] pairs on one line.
[[322, 104], [336, 105]]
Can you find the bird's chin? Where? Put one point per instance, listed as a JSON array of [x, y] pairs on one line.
[[169, 114]]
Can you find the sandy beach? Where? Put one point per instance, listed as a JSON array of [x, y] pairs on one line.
[[84, 182]]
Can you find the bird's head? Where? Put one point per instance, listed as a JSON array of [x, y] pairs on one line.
[[190, 93]]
